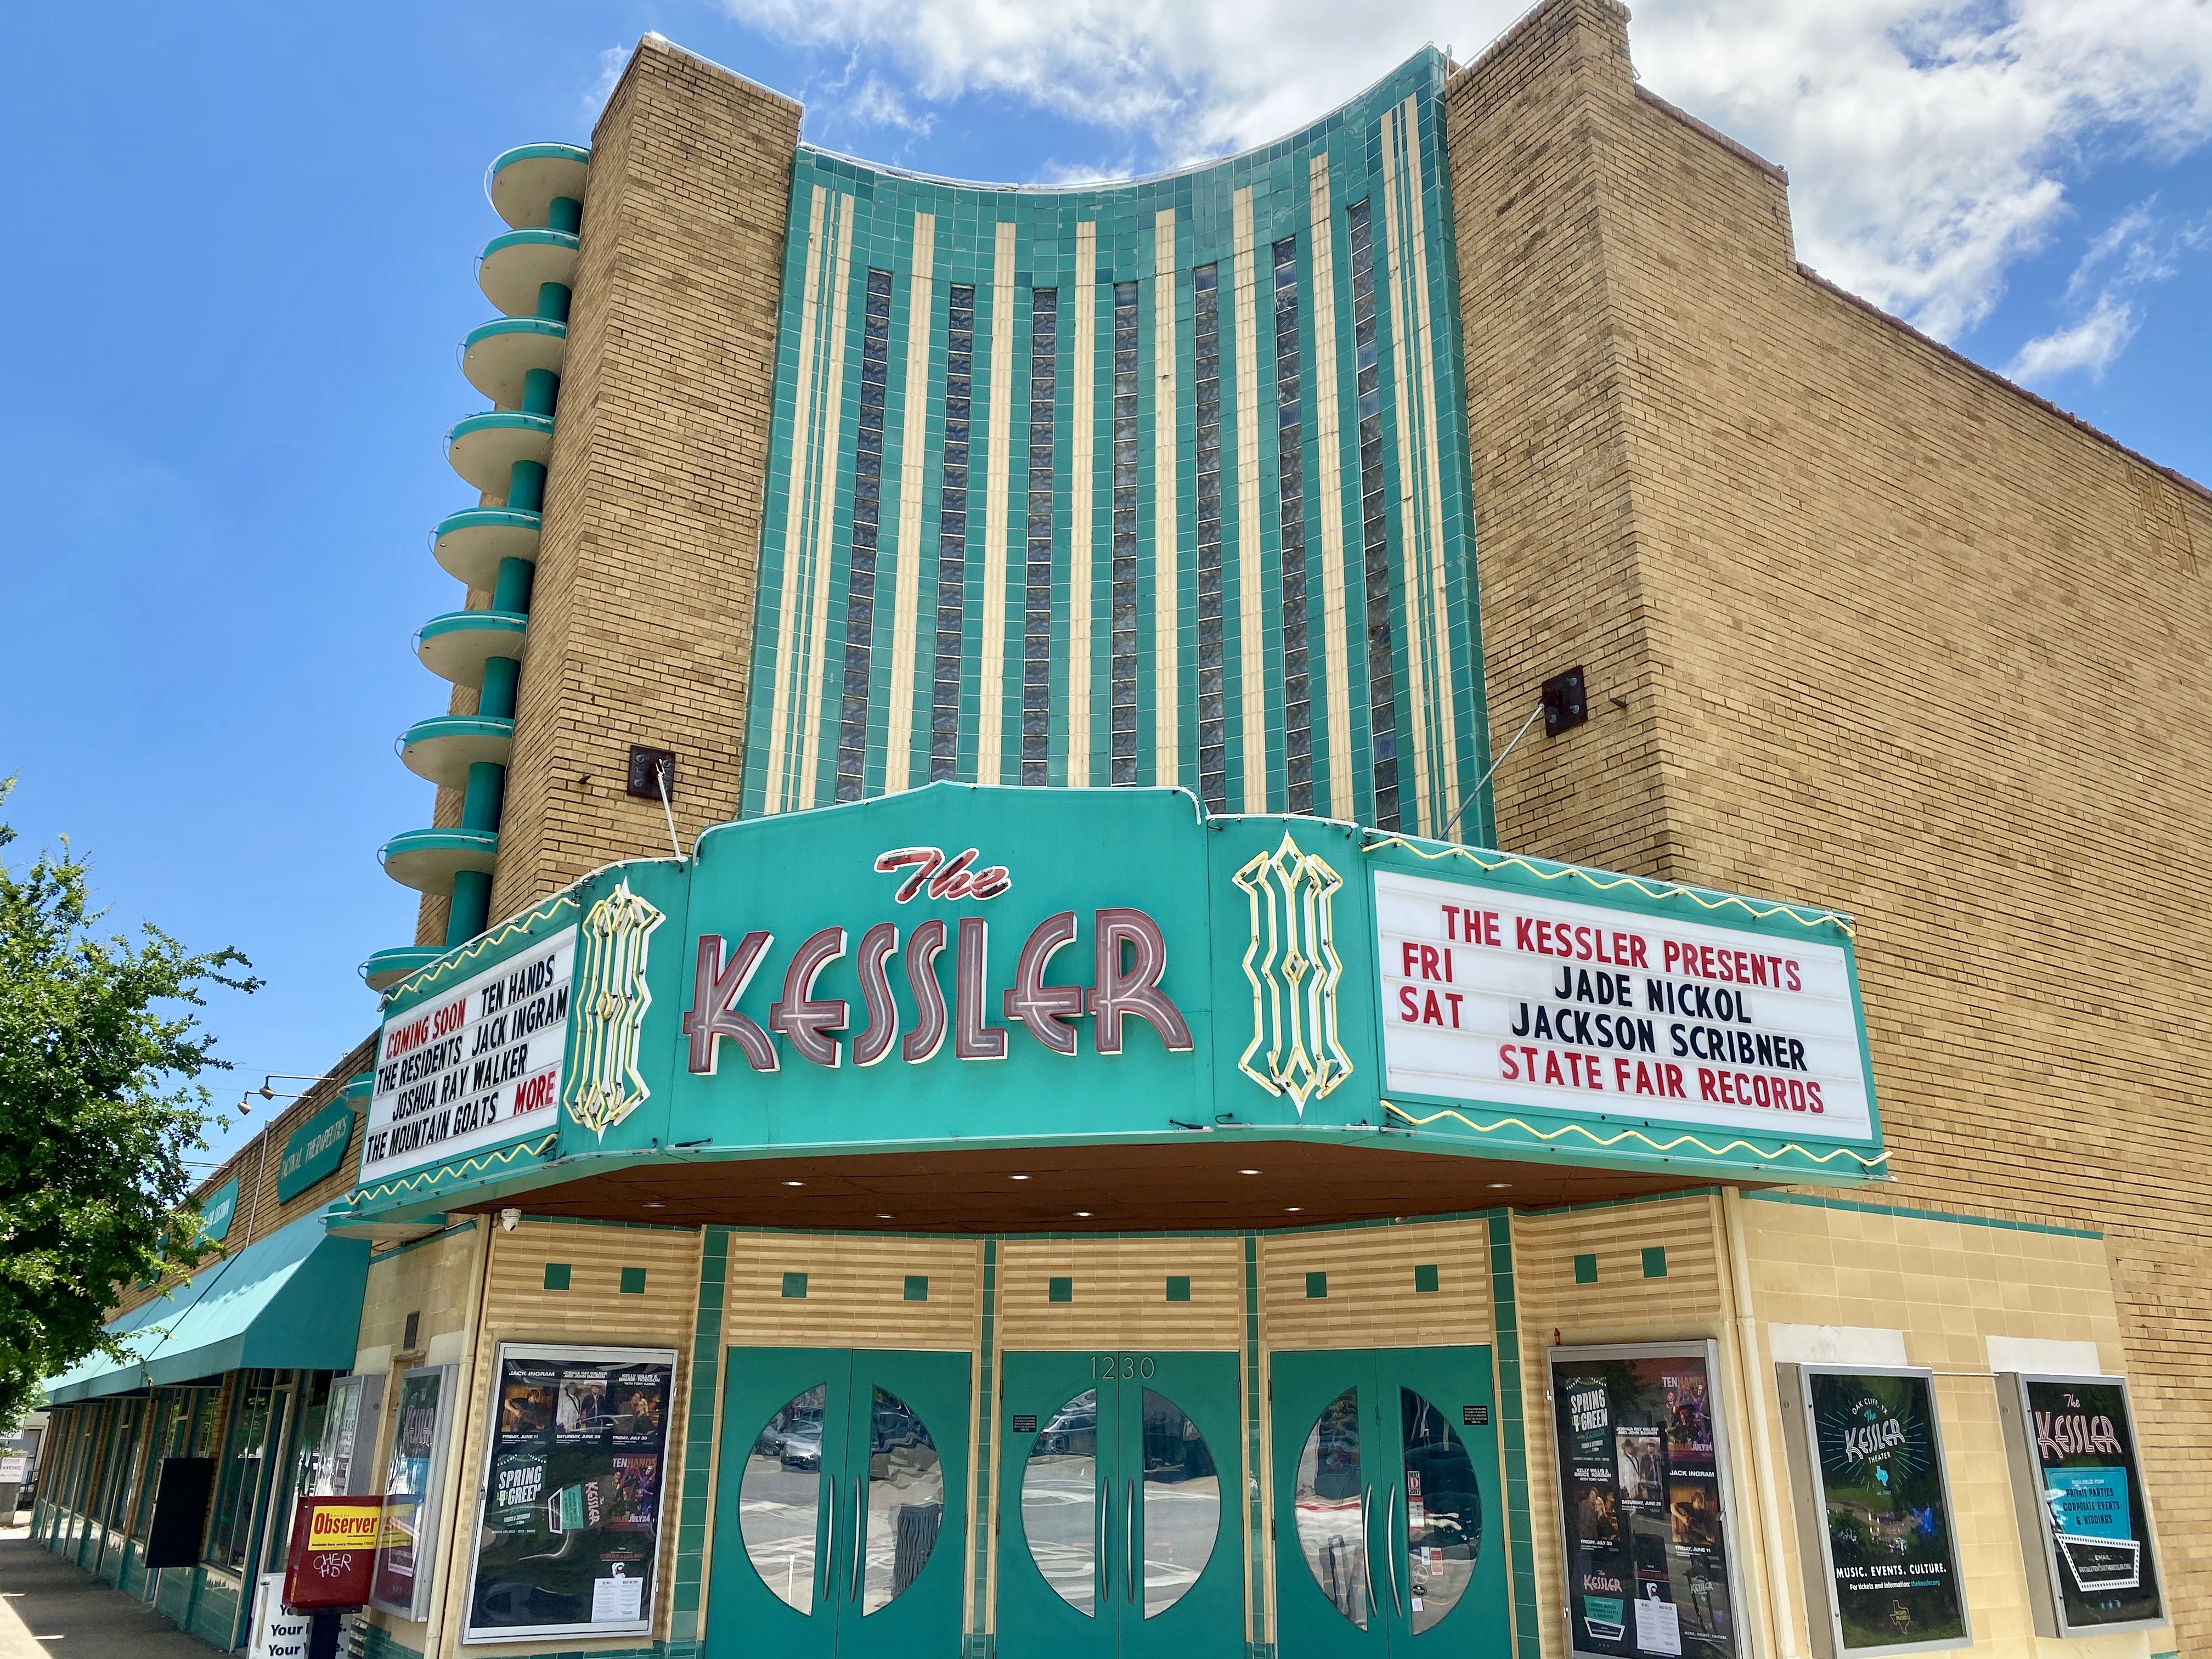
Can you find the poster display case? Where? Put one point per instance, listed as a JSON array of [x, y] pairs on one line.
[[423, 1402], [568, 1539], [1645, 1507], [344, 1451], [2084, 1518], [1875, 1528]]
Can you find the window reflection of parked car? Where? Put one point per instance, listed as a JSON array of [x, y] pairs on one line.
[[802, 1444], [1073, 1431]]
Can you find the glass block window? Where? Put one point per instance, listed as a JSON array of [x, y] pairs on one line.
[[1036, 609], [952, 530], [1205, 386], [1375, 526], [1123, 667], [1297, 706], [860, 579]]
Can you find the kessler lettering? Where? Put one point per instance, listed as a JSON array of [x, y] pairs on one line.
[[2070, 1434], [1862, 1445]]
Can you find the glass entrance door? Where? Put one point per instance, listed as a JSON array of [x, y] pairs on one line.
[[840, 1509], [1119, 1531], [1389, 1513]]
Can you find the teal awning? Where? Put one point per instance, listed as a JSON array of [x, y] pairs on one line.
[[291, 1300]]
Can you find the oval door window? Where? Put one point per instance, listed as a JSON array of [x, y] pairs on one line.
[[1331, 1521], [779, 1498], [906, 1501], [1181, 1504], [1059, 1501], [1443, 1512]]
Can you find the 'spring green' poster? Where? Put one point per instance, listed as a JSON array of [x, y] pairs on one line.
[[1891, 1557]]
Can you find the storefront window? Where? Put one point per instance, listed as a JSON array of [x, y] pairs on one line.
[[567, 1541], [1059, 1501], [781, 1497], [1181, 1504], [256, 1424], [906, 1501], [1332, 1521]]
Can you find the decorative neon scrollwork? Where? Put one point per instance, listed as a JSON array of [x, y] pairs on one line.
[[611, 998], [1293, 968]]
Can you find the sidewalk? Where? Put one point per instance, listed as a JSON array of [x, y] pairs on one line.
[[50, 1610]]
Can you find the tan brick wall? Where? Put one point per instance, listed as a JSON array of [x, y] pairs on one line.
[[1892, 635], [642, 621]]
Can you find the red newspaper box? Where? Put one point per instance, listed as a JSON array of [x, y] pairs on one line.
[[334, 1543]]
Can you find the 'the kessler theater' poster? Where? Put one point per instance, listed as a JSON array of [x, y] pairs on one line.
[[2074, 1458], [1641, 1489], [1877, 1457], [570, 1527]]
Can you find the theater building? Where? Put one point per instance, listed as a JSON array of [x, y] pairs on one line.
[[1384, 898]]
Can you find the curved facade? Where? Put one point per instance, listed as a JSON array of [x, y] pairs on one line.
[[1156, 483]]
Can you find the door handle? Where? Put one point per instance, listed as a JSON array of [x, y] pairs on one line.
[[1390, 1552], [1367, 1550], [1102, 1537], [859, 1537], [1129, 1538], [827, 1566]]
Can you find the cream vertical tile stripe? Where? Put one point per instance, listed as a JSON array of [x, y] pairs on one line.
[[1336, 625], [1412, 526], [1432, 489], [991, 672], [794, 522], [1082, 453], [1253, 725], [830, 449], [1167, 712], [913, 442]]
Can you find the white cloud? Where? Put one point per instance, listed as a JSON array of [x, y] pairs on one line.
[[2091, 344], [1930, 143], [611, 63], [880, 104]]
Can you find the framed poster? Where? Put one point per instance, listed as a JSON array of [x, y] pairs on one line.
[[2085, 1522], [349, 1440], [567, 1537], [1867, 1454], [414, 1485], [1644, 1502]]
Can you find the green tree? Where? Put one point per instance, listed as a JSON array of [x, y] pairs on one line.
[[99, 1106]]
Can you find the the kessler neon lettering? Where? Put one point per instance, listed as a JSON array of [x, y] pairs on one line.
[[972, 1039], [716, 987], [1136, 991], [874, 1043], [802, 1017], [1046, 1009]]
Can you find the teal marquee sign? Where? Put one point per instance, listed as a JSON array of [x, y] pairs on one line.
[[216, 1212], [315, 1151], [974, 967]]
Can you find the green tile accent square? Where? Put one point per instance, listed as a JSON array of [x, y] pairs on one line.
[[1060, 1290], [1585, 1270], [557, 1275], [1425, 1278], [917, 1288], [1655, 1261], [633, 1281], [1178, 1288], [794, 1286], [1316, 1286]]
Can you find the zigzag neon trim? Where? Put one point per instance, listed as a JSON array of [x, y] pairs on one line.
[[423, 978], [1650, 890], [467, 1166], [1596, 1140]]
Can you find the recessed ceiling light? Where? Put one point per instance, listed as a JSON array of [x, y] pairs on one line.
[[1499, 1186], [654, 1204], [794, 1183], [1018, 1177], [1295, 1209], [1248, 1172], [883, 1215], [1083, 1213]]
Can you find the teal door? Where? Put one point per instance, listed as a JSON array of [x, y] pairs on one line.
[[1388, 1517], [1119, 1521], [839, 1519]]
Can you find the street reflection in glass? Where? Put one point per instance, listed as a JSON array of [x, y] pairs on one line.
[[906, 1502], [1181, 1504], [1059, 1501], [780, 1498], [1444, 1513], [1327, 1504]]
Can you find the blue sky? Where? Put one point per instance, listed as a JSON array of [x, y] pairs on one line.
[[242, 256]]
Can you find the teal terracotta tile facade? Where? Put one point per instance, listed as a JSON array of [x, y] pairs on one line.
[[1162, 482]]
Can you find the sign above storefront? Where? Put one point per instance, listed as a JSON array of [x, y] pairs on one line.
[[315, 1151], [966, 967]]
